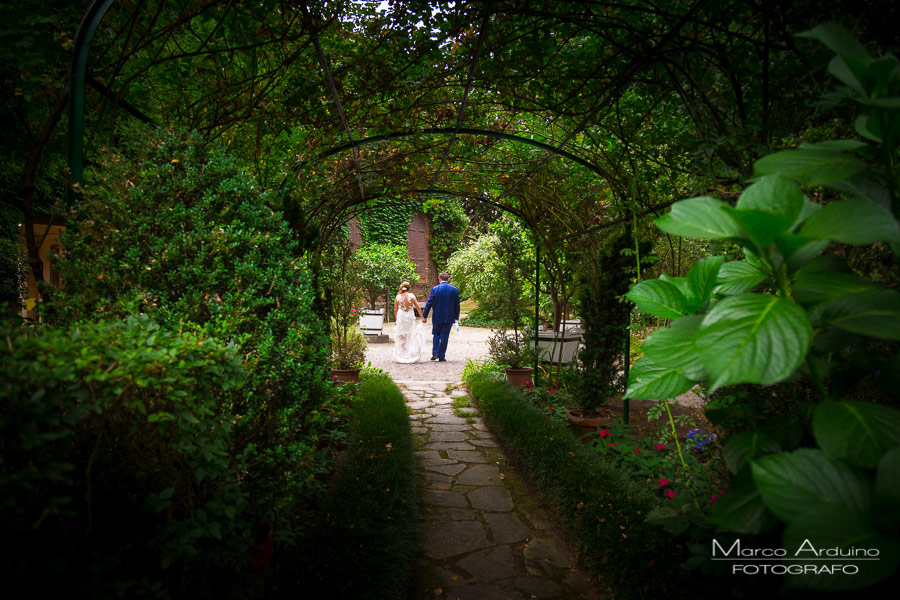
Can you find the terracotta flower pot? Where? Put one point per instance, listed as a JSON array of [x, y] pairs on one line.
[[345, 375], [517, 376], [584, 424]]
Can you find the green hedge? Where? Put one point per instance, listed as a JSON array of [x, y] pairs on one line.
[[601, 509], [364, 540], [115, 475], [170, 225]]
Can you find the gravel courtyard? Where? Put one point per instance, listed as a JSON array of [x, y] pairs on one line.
[[469, 343]]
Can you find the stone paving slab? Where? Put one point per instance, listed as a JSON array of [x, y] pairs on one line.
[[483, 537]]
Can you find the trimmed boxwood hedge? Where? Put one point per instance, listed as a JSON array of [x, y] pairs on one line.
[[600, 508], [364, 541]]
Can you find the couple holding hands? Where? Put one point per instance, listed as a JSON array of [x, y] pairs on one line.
[[409, 338]]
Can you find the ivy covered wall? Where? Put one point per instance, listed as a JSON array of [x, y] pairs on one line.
[[387, 221]]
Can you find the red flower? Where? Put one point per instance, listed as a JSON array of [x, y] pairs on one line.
[[636, 451], [670, 494], [611, 444], [663, 482], [553, 391], [660, 446], [552, 407], [713, 499], [603, 433]]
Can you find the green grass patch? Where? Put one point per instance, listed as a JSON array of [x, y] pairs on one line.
[[461, 402], [601, 510], [364, 541]]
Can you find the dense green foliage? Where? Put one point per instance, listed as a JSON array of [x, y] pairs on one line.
[[794, 309], [171, 228], [605, 315], [387, 222], [601, 509], [381, 270], [364, 538], [449, 223], [118, 472]]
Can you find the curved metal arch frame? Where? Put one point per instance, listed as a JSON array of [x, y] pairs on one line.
[[78, 68]]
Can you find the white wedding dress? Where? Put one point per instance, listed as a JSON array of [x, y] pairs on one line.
[[409, 338]]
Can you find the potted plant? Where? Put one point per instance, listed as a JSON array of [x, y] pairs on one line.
[[343, 293], [348, 351], [512, 351], [606, 317]]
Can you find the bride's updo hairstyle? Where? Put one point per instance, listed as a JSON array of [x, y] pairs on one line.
[[404, 287]]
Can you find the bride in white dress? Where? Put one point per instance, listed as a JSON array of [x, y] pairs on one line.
[[408, 335]]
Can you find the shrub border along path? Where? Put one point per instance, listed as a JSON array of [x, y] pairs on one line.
[[483, 535], [601, 510], [365, 539]]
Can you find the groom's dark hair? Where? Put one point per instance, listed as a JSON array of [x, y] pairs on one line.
[[443, 277]]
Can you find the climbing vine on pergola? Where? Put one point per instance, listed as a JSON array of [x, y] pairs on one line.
[[631, 105]]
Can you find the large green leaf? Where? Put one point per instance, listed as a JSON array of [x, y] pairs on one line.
[[740, 448], [775, 195], [798, 250], [810, 167], [650, 381], [753, 338], [658, 298], [859, 433], [742, 509], [823, 528], [738, 277], [887, 478], [674, 347], [838, 40], [794, 483], [701, 218], [786, 431], [702, 278], [875, 313], [865, 187], [760, 227], [812, 287], [852, 221]]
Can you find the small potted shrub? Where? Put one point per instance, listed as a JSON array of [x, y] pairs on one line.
[[348, 352], [512, 351]]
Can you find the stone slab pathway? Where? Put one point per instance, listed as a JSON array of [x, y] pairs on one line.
[[483, 537]]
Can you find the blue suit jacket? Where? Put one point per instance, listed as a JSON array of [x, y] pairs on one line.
[[444, 299]]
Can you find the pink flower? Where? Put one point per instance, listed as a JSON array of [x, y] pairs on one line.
[[663, 482], [611, 444], [713, 499], [603, 433], [636, 451], [670, 494], [660, 446]]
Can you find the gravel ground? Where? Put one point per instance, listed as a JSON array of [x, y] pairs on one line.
[[469, 343]]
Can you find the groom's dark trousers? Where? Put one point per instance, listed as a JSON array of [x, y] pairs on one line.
[[441, 333], [444, 299]]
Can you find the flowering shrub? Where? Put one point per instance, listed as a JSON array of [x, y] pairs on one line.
[[552, 402], [659, 464], [700, 439]]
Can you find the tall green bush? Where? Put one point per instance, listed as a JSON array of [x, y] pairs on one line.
[[116, 475], [170, 226], [381, 269], [606, 316]]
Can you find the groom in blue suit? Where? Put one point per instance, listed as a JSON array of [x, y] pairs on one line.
[[444, 298]]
